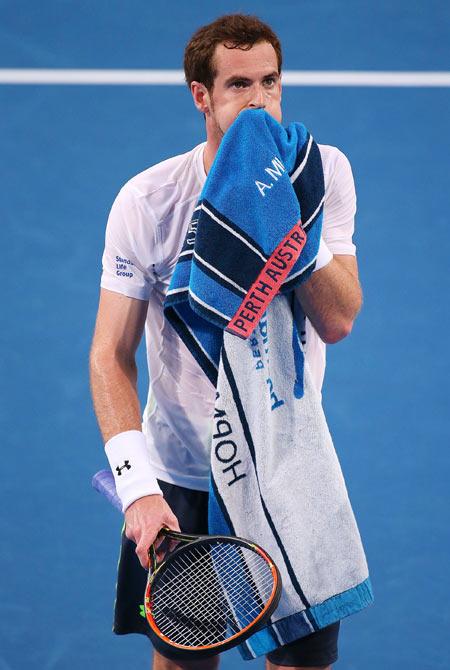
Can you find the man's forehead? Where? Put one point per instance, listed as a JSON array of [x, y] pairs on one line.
[[239, 61]]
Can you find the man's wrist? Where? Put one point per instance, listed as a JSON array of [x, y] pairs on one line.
[[133, 474], [324, 256]]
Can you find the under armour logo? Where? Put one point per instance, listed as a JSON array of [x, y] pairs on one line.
[[125, 465]]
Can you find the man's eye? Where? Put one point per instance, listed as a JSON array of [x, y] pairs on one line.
[[239, 84], [270, 82]]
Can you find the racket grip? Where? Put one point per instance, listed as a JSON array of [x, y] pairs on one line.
[[103, 482]]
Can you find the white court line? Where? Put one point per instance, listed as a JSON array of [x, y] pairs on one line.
[[369, 78], [176, 77]]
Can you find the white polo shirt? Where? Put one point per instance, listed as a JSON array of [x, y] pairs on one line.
[[145, 232]]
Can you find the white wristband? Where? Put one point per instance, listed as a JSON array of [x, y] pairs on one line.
[[128, 457], [324, 256]]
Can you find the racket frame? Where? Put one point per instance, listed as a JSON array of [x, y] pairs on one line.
[[186, 652]]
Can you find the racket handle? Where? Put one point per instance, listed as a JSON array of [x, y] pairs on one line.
[[103, 482], [172, 535]]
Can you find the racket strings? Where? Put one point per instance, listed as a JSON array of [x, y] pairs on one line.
[[243, 614], [218, 553], [205, 628], [210, 592], [231, 581]]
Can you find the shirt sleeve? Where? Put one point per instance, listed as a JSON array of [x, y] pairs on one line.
[[340, 208], [130, 249]]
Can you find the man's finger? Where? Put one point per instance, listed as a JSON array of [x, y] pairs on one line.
[[145, 541], [160, 555], [158, 541], [129, 533], [142, 554], [172, 524]]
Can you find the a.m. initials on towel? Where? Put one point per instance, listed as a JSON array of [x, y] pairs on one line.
[[274, 172], [268, 283]]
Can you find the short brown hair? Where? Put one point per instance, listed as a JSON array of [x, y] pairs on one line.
[[234, 31]]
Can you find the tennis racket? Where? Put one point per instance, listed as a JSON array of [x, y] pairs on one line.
[[209, 594]]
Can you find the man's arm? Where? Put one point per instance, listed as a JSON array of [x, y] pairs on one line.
[[118, 331], [331, 298]]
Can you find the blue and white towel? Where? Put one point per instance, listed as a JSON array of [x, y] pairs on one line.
[[275, 476]]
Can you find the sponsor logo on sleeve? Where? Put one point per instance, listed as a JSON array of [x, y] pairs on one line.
[[123, 267]]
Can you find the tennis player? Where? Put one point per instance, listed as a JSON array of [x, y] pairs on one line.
[[231, 64]]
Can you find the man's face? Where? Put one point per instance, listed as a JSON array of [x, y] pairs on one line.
[[244, 80]]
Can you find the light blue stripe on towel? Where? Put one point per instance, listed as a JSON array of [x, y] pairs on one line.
[[343, 604], [219, 297], [296, 626], [258, 644]]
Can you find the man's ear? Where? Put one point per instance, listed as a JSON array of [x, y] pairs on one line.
[[200, 96]]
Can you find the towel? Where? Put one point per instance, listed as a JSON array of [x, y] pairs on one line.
[[245, 236], [275, 476]]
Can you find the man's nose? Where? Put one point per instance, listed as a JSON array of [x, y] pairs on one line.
[[257, 98]]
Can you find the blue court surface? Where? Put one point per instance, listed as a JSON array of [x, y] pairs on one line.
[[65, 152]]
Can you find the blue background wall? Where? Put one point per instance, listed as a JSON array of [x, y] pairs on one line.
[[64, 153]]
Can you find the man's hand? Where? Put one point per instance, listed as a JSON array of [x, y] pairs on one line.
[[144, 519]]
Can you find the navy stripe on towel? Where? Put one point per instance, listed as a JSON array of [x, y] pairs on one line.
[[301, 154], [309, 185], [233, 226], [226, 252], [217, 278], [194, 347], [251, 446]]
